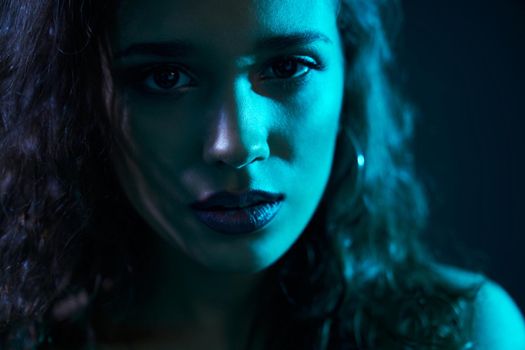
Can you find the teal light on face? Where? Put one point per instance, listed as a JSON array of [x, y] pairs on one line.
[[229, 102]]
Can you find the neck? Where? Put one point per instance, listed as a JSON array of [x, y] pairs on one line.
[[178, 283], [179, 296]]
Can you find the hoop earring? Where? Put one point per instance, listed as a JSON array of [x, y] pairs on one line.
[[352, 165], [359, 165]]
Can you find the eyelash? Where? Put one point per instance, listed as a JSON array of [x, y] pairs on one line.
[[138, 76], [308, 63]]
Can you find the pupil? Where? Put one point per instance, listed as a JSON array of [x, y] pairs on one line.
[[285, 69], [166, 79]]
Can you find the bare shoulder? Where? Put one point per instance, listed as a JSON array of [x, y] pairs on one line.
[[498, 322]]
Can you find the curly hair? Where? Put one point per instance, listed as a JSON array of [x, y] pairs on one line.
[[65, 259]]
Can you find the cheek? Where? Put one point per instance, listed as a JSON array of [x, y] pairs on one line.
[[149, 158], [314, 149], [158, 130], [314, 130], [311, 132]]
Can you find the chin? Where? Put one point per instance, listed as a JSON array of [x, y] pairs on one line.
[[245, 261]]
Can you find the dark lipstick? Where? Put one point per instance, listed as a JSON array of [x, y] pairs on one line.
[[236, 214]]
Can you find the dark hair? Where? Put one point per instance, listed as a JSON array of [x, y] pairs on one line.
[[64, 257]]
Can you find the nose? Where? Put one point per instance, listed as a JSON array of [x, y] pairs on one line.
[[237, 135]]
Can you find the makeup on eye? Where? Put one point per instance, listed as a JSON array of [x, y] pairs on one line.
[[160, 78], [281, 67], [167, 77]]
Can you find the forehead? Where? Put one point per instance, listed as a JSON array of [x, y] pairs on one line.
[[223, 22]]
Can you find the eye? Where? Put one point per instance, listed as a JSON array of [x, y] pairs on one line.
[[166, 78], [156, 78], [289, 68]]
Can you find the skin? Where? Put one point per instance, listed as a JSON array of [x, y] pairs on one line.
[[224, 127], [231, 121], [497, 321]]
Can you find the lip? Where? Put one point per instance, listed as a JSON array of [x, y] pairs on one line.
[[237, 214]]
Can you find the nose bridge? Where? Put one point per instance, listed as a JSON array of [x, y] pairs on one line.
[[235, 103], [237, 134]]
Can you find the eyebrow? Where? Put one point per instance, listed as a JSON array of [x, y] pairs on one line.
[[179, 48], [280, 42]]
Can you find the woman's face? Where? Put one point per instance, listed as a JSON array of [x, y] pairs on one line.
[[228, 95]]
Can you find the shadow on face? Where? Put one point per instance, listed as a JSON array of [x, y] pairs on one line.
[[231, 96]]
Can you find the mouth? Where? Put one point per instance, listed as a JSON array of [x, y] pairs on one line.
[[237, 214]]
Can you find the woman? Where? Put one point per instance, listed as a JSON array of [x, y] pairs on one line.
[[218, 174]]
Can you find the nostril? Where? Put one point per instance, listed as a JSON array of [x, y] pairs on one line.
[[235, 153], [235, 139], [227, 154]]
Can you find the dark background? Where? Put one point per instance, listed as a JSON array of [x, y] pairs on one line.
[[463, 68]]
